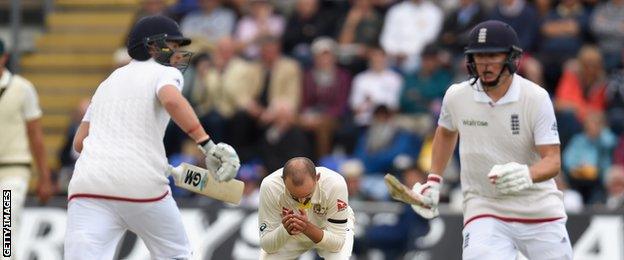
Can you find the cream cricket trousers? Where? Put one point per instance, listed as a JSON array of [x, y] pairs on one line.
[[95, 227], [15, 179], [494, 239], [293, 248]]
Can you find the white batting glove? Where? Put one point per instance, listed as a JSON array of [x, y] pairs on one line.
[[430, 192], [221, 159], [510, 178], [230, 163]]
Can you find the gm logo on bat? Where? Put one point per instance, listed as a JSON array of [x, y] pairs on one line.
[[195, 178]]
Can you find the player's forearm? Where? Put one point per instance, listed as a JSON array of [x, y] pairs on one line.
[[273, 240], [443, 146], [182, 113], [37, 147], [313, 233], [548, 167]]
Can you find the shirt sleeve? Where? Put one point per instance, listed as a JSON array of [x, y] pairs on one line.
[[544, 122], [30, 107], [273, 235], [170, 76], [446, 117], [338, 214]]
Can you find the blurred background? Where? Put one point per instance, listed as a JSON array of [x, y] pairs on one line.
[[355, 85]]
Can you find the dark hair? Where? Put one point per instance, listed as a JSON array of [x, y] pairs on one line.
[[298, 169]]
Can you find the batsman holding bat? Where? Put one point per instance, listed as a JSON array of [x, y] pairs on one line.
[[509, 152], [120, 179], [304, 207]]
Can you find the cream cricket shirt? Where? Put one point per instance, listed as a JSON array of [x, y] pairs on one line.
[[123, 156], [18, 105], [498, 133], [330, 211]]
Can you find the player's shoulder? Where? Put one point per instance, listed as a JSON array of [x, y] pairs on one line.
[[459, 89], [330, 176], [272, 180], [21, 81], [530, 88]]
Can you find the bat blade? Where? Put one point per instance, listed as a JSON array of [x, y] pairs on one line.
[[202, 181], [400, 192]]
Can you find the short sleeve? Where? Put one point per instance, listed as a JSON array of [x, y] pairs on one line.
[[170, 76], [30, 108], [87, 115], [446, 117], [544, 122]]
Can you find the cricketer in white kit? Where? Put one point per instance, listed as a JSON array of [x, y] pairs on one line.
[[509, 154], [304, 207], [120, 179]]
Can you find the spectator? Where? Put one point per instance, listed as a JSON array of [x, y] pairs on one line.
[[522, 17], [376, 86], [260, 23], [352, 170], [607, 25], [210, 23], [615, 188], [572, 199], [304, 25], [457, 26], [563, 32], [359, 30], [67, 155], [615, 101], [408, 27], [583, 84], [273, 79], [251, 174], [421, 89], [587, 158], [325, 95], [282, 139], [383, 141]]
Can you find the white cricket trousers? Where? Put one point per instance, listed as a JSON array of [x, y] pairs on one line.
[[15, 179], [293, 248], [494, 239], [95, 227]]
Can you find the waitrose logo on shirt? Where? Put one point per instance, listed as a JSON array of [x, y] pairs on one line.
[[472, 122]]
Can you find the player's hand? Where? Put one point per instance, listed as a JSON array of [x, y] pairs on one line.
[[288, 222], [45, 190], [430, 192], [510, 178], [221, 159]]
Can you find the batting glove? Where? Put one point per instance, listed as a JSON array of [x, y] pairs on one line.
[[430, 192], [230, 163], [510, 178]]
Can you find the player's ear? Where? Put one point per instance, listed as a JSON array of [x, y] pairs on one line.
[[318, 176]]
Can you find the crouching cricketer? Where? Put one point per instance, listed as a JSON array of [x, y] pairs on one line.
[[304, 207]]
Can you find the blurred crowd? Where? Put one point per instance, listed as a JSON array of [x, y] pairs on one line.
[[357, 85]]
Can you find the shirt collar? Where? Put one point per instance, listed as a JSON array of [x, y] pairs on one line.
[[512, 94], [5, 78]]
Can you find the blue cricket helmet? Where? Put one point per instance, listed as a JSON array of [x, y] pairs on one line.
[[152, 28]]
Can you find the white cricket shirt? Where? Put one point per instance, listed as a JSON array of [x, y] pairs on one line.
[[123, 157], [330, 210], [500, 132]]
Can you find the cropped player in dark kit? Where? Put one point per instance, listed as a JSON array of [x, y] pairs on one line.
[[120, 179]]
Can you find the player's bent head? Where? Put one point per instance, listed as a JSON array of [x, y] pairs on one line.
[[299, 175]]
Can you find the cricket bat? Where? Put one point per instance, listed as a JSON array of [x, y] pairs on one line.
[[400, 192], [202, 181]]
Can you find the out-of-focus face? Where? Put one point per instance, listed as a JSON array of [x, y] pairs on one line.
[[615, 185], [489, 65], [208, 5], [153, 7], [261, 10], [270, 51], [353, 185], [591, 64], [412, 176], [3, 60], [324, 60], [593, 125], [307, 8], [377, 60]]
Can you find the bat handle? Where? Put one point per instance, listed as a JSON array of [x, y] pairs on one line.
[[174, 171]]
